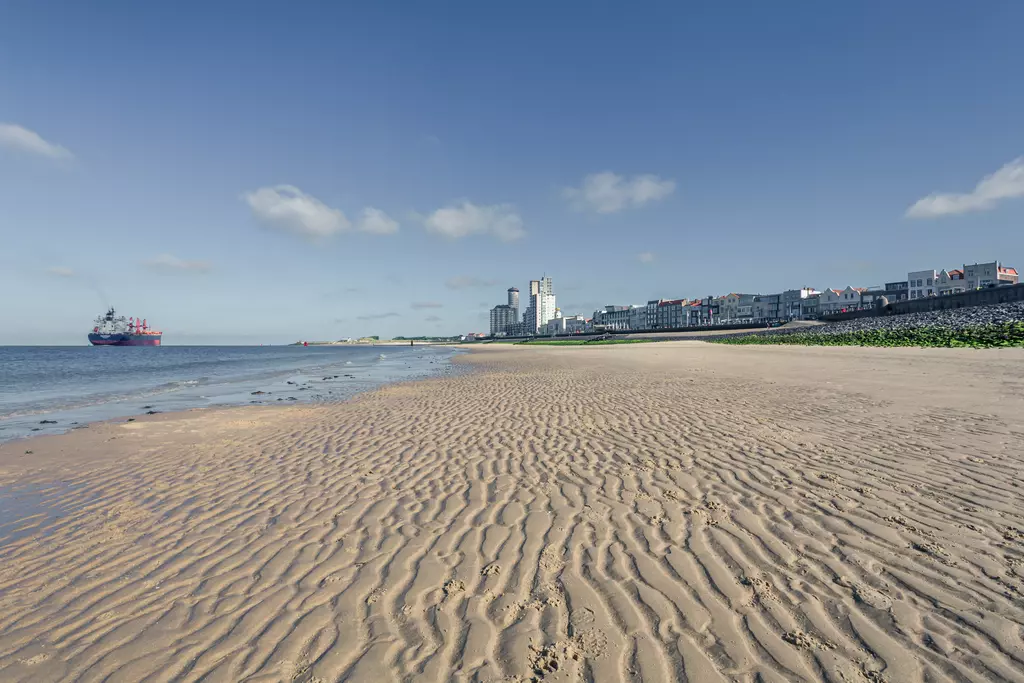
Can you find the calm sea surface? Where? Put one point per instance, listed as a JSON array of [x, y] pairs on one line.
[[84, 384]]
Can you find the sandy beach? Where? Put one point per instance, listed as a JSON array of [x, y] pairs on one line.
[[662, 512]]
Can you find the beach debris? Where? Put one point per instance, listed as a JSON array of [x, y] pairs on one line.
[[257, 393], [147, 407], [28, 452], [47, 422], [130, 419], [152, 412], [36, 429]]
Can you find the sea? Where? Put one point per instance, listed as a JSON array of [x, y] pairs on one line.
[[48, 390]]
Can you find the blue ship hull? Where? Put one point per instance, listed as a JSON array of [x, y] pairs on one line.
[[117, 339]]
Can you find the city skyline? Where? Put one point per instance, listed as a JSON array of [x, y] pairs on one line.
[[389, 183]]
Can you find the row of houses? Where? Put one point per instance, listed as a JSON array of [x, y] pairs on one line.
[[805, 303]]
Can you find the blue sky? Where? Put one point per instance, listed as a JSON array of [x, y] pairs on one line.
[[258, 172]]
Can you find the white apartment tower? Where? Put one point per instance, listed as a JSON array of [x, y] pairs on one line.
[[541, 308], [546, 302]]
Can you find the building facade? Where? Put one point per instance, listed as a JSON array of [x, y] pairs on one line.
[[531, 316], [982, 275], [766, 306], [809, 307], [651, 310], [513, 301], [791, 302], [921, 283], [735, 307], [545, 301], [950, 282], [614, 317], [503, 320], [562, 325], [840, 300], [897, 291], [672, 313]]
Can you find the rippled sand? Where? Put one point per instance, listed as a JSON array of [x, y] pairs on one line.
[[676, 511]]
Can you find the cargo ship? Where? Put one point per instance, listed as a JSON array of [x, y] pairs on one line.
[[114, 330]]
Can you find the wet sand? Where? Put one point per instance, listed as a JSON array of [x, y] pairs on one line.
[[658, 512]]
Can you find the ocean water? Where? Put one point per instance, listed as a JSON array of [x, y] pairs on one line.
[[45, 390]]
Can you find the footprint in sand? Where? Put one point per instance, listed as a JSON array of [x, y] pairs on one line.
[[865, 594], [807, 641], [584, 616], [490, 570], [590, 643], [554, 659], [551, 560]]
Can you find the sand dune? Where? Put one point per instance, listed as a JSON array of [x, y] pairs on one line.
[[665, 512]]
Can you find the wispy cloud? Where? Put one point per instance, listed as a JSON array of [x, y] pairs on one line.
[[1006, 183], [645, 257], [61, 271], [286, 207], [432, 319], [468, 282], [465, 218], [13, 136], [168, 263], [376, 316], [377, 222], [608, 193], [420, 305]]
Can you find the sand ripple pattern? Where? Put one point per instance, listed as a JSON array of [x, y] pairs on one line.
[[560, 515]]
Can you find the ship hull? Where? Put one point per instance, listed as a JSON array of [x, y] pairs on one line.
[[124, 339]]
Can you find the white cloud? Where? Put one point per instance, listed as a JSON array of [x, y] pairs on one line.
[[645, 257], [1006, 183], [16, 137], [461, 220], [61, 271], [468, 282], [377, 222], [607, 192], [420, 305], [167, 263], [288, 208]]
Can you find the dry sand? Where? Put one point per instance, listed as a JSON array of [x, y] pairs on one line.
[[675, 511]]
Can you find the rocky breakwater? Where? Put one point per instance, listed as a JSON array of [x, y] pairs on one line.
[[995, 325]]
